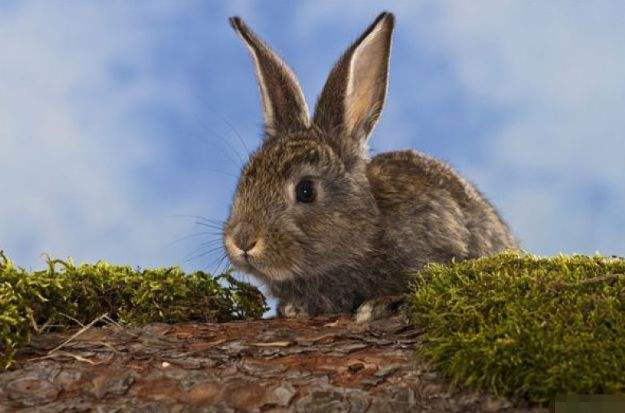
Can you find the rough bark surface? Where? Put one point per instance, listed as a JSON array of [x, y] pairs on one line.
[[308, 365]]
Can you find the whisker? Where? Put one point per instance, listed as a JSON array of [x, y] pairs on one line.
[[209, 220], [199, 234], [218, 262], [233, 150], [225, 120], [233, 129], [211, 243], [221, 139], [204, 254], [222, 149], [200, 220], [199, 249], [219, 172], [215, 227], [198, 217]]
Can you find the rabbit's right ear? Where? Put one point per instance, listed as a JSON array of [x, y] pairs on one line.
[[284, 106], [353, 96]]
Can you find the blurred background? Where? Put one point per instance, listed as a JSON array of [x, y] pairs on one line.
[[120, 122]]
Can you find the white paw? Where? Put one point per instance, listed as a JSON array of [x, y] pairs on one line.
[[364, 313], [291, 310], [378, 308]]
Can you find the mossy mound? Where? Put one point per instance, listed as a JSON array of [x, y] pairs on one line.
[[523, 326], [65, 294]]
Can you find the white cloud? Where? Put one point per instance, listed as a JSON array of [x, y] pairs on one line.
[[72, 77], [69, 151]]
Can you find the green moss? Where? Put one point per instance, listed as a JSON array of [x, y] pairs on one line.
[[64, 291], [519, 325]]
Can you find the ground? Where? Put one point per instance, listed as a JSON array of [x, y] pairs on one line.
[[319, 364]]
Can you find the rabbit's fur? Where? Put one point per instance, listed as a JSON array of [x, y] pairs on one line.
[[371, 220]]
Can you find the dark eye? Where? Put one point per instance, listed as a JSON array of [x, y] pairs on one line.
[[305, 191]]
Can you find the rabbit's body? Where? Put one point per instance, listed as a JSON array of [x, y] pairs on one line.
[[320, 223], [424, 212], [431, 212]]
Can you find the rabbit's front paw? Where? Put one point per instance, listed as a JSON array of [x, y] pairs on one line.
[[290, 310], [378, 308]]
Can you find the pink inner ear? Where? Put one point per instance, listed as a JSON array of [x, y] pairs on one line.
[[367, 79]]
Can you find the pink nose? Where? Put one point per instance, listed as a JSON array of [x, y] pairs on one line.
[[244, 238], [248, 247]]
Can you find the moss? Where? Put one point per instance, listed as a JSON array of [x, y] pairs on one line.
[[523, 326], [65, 293]]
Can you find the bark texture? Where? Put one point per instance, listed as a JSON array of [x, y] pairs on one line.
[[309, 365]]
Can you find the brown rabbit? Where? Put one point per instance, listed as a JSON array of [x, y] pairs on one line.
[[323, 225]]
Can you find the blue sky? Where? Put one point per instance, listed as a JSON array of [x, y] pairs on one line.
[[118, 118]]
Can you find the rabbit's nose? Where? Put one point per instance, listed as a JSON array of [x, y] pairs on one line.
[[247, 248], [244, 239]]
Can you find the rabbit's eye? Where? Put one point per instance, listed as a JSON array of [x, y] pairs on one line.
[[305, 191]]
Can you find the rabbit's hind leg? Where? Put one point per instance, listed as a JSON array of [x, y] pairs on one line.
[[291, 310], [379, 308]]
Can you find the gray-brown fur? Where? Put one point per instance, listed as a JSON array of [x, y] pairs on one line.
[[372, 219]]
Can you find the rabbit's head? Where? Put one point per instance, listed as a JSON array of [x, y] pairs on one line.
[[303, 205]]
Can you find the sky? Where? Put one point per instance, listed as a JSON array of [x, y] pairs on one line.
[[120, 122]]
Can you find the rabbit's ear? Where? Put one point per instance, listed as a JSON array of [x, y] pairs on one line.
[[353, 96], [283, 101]]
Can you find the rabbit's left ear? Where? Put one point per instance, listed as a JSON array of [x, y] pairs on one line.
[[353, 96], [284, 106]]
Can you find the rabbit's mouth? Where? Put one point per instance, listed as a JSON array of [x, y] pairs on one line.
[[244, 262], [256, 262]]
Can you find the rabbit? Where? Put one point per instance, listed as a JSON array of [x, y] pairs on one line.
[[325, 227]]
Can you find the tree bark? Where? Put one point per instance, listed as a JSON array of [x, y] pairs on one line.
[[320, 364]]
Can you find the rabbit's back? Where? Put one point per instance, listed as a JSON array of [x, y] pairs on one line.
[[431, 213]]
